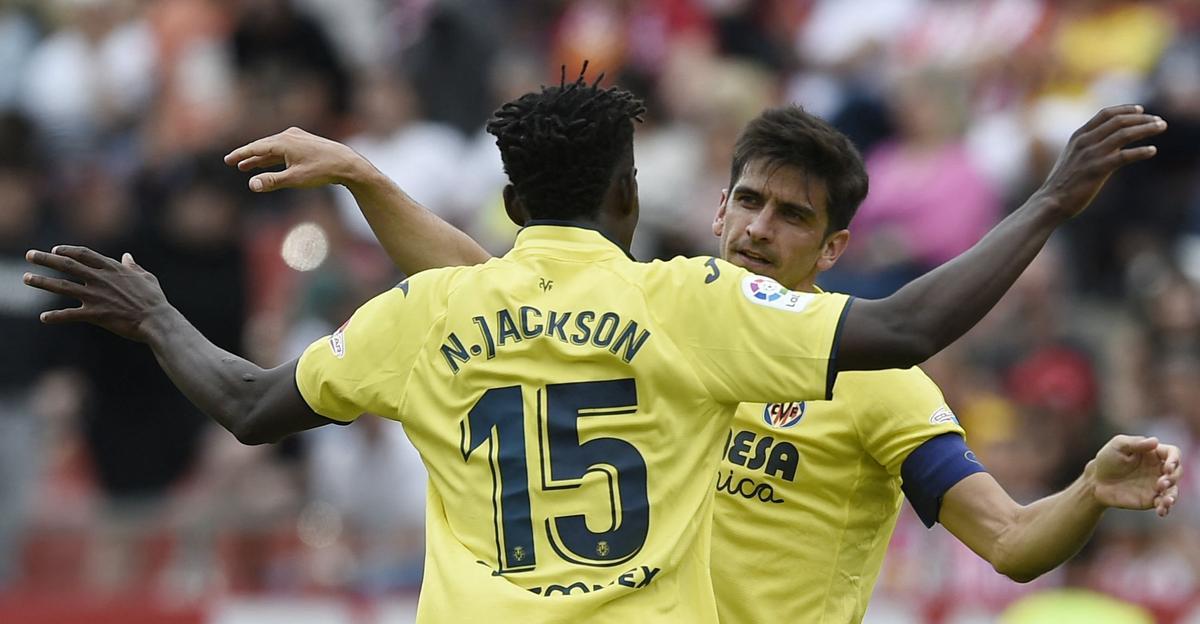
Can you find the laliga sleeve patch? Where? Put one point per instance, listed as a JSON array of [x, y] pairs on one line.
[[337, 341], [767, 292], [943, 415]]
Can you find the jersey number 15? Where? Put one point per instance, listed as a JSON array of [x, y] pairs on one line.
[[498, 420]]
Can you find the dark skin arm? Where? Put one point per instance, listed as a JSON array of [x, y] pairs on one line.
[[257, 405], [899, 331], [929, 313]]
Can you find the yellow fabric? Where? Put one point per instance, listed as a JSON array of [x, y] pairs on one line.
[[805, 506], [615, 416], [1128, 38], [1074, 606]]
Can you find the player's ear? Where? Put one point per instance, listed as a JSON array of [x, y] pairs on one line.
[[512, 205], [627, 187], [718, 224], [832, 249]]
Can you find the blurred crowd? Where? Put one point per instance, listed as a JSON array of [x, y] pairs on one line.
[[114, 115]]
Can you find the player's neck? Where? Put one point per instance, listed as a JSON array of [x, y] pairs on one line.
[[603, 226], [807, 283], [615, 227]]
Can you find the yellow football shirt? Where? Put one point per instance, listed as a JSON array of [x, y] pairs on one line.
[[570, 404], [808, 493]]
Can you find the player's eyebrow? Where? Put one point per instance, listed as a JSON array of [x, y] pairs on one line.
[[803, 210], [744, 189]]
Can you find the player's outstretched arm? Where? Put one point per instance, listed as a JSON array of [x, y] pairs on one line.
[[931, 312], [414, 237], [1024, 542], [256, 405]]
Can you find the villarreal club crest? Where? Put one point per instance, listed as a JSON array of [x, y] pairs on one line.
[[783, 415]]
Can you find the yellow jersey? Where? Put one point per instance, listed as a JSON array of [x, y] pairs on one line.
[[808, 493], [570, 405]]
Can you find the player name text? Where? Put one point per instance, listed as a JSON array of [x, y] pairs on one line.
[[621, 337]]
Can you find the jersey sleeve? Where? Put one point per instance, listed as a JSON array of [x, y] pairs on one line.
[[901, 410], [748, 338], [364, 365], [907, 427]]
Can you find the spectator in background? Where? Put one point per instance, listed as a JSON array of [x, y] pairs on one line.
[[450, 64], [288, 65], [1158, 566], [922, 176], [383, 518], [19, 35], [91, 78], [142, 435], [28, 354], [403, 145]]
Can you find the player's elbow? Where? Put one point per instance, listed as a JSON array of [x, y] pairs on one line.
[[248, 434], [251, 431], [1018, 574], [1008, 563], [252, 437]]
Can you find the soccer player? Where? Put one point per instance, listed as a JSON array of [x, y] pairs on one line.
[[825, 475], [564, 397]]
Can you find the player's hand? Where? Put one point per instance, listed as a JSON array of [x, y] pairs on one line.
[[118, 296], [1095, 151], [308, 160], [1134, 472]]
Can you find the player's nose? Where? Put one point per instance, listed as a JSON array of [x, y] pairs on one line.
[[760, 227]]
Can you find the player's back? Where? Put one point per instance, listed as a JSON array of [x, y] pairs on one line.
[[570, 417]]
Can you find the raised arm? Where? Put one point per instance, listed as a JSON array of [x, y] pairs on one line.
[[257, 405], [1024, 542], [929, 313], [414, 237]]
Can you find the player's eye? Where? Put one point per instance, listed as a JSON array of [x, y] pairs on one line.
[[795, 216], [749, 200]]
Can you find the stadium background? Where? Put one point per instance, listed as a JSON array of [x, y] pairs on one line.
[[119, 504]]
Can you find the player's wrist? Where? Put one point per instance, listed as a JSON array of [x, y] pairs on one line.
[[357, 172], [1049, 206], [1091, 488], [159, 322]]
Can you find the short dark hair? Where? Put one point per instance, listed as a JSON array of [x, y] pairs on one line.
[[790, 136], [561, 145]]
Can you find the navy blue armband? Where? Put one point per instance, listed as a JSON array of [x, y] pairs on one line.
[[932, 469]]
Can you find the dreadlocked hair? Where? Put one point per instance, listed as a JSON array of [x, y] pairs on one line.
[[561, 145]]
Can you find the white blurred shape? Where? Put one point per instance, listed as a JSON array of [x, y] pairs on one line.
[[293, 610], [319, 525], [999, 142], [305, 247], [399, 610], [837, 31]]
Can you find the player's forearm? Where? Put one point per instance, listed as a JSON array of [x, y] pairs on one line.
[[936, 309], [229, 389], [414, 237], [1044, 534]]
